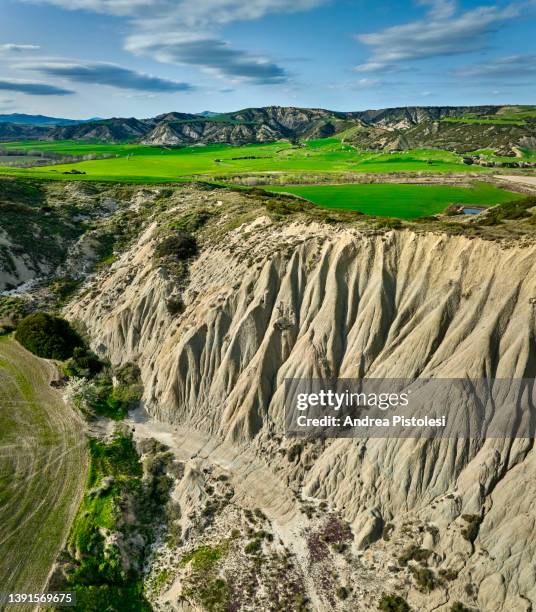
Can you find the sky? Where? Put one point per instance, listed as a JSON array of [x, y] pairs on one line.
[[123, 58]]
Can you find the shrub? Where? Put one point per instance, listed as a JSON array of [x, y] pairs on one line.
[[128, 374], [414, 553], [282, 207], [178, 246], [192, 221], [48, 336], [448, 574], [64, 288], [175, 305], [84, 363], [470, 531], [425, 578], [343, 593], [393, 603], [253, 547], [457, 606]]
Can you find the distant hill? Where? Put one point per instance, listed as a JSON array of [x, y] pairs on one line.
[[41, 120], [457, 128]]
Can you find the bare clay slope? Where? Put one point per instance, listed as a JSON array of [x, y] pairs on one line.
[[275, 301]]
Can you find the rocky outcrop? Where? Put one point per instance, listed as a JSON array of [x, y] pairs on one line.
[[453, 136], [273, 301]]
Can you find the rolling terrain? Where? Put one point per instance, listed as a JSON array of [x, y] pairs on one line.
[[272, 298], [216, 256], [407, 127], [143, 163], [43, 458], [275, 288]]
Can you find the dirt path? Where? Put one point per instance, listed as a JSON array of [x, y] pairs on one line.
[[43, 462], [529, 181]]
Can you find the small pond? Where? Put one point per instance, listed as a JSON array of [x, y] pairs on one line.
[[472, 210]]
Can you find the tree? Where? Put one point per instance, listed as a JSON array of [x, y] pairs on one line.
[[47, 336]]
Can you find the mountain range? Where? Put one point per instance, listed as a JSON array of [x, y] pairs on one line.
[[458, 128]]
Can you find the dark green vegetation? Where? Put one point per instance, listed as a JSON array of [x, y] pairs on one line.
[[43, 459], [104, 559], [402, 201], [94, 392], [393, 603], [414, 553], [178, 246], [470, 531], [47, 336]]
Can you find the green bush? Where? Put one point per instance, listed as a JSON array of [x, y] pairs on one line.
[[414, 553], [253, 547], [393, 603], [178, 246], [48, 336], [425, 578], [64, 288], [84, 363]]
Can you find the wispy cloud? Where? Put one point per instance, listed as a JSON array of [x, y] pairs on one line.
[[186, 32], [33, 88], [8, 47], [444, 31], [202, 13], [104, 73], [210, 54], [510, 67]]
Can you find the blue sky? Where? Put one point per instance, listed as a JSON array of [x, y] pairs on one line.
[[82, 58]]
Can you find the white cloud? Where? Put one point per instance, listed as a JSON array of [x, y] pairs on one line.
[[202, 13], [444, 31], [16, 47], [185, 32]]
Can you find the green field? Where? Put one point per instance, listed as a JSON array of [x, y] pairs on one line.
[[43, 456], [141, 163], [394, 200]]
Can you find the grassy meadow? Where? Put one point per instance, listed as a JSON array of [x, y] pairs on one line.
[[142, 163], [401, 201], [43, 458]]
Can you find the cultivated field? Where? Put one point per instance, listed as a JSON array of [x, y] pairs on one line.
[[131, 162], [43, 455], [402, 201]]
